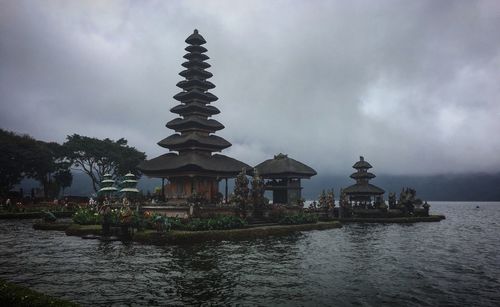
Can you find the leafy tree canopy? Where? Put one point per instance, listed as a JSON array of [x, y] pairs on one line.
[[99, 157], [17, 158], [22, 156]]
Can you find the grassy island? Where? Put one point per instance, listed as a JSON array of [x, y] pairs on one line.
[[157, 229], [185, 236], [16, 295], [178, 237]]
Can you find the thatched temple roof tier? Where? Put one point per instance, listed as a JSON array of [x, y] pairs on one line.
[[281, 166], [364, 189], [179, 142], [362, 175], [196, 56], [196, 94], [195, 38], [362, 164], [195, 73], [195, 63], [194, 124], [194, 108], [195, 49], [195, 84], [192, 164]]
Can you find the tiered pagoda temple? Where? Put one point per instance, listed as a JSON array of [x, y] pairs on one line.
[[282, 176], [107, 187], [362, 192], [191, 165], [129, 186]]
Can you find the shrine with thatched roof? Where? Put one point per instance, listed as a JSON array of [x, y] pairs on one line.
[[283, 177]]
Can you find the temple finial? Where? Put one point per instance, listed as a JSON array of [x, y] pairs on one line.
[[195, 31]]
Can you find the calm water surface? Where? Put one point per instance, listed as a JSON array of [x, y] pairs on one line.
[[453, 262]]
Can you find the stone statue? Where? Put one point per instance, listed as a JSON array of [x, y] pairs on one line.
[[426, 208], [330, 199], [313, 205], [257, 190], [241, 191], [48, 217], [323, 200], [380, 203], [392, 200], [345, 208]]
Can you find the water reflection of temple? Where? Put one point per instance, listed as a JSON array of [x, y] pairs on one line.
[[363, 193], [191, 167], [283, 178]]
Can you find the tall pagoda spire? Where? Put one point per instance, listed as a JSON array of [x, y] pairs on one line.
[[192, 164], [194, 128], [362, 176]]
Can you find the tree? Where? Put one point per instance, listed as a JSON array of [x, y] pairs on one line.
[[64, 179], [99, 157], [18, 159], [22, 156], [51, 161]]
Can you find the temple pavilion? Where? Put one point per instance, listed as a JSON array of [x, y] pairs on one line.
[[362, 192], [192, 166], [282, 176]]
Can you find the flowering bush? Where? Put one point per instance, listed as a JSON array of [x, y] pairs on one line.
[[218, 223], [85, 216], [277, 212]]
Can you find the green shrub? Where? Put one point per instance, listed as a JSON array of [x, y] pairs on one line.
[[84, 216], [137, 221], [177, 223], [218, 223], [300, 218], [277, 213]]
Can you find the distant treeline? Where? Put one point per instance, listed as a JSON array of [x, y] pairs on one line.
[[449, 187], [50, 163]]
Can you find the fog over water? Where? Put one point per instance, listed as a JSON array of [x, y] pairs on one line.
[[411, 85]]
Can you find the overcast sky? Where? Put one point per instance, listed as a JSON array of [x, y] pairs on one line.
[[414, 86]]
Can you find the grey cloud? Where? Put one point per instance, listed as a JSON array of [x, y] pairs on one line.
[[412, 85]]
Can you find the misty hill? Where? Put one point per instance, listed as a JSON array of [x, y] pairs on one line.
[[464, 187], [452, 187]]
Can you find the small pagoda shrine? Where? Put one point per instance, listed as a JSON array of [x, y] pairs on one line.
[[191, 167], [362, 192], [107, 186], [282, 176], [129, 186]]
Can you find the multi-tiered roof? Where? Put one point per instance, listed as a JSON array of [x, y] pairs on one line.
[[107, 185], [194, 140], [362, 177], [129, 184]]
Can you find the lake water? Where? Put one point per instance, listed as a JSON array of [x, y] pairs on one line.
[[452, 262]]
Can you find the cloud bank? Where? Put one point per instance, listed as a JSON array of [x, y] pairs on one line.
[[411, 85]]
